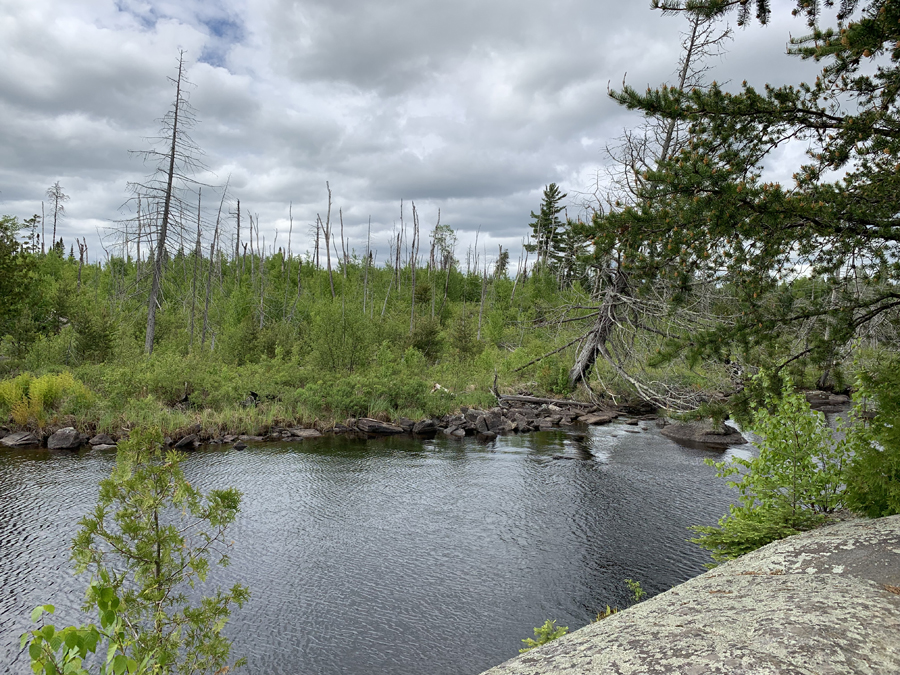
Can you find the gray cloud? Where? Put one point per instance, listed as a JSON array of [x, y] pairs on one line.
[[470, 107]]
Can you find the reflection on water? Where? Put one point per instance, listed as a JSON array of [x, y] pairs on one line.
[[396, 556]]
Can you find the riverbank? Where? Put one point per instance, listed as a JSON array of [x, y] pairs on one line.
[[822, 601], [513, 414]]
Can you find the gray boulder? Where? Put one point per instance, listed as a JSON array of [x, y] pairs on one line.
[[20, 439], [703, 433], [66, 438], [425, 427], [102, 439]]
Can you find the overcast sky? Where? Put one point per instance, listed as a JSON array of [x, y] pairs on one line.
[[467, 106]]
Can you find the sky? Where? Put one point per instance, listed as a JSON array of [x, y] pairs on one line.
[[467, 108]]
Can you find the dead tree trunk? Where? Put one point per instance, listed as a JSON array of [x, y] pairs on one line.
[[595, 341], [153, 301], [198, 253], [328, 240]]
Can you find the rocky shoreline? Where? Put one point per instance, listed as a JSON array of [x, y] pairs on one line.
[[513, 414]]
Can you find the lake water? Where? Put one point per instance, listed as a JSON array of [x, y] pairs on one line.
[[395, 556]]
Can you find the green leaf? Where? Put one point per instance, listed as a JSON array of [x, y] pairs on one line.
[[120, 663], [35, 651], [107, 618]]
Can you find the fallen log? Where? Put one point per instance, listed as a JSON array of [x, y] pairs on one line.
[[515, 398]]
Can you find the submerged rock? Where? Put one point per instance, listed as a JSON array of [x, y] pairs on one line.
[[597, 418], [305, 433]]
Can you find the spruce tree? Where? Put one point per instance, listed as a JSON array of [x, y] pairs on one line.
[[546, 224]]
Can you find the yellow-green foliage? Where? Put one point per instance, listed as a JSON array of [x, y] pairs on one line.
[[27, 398]]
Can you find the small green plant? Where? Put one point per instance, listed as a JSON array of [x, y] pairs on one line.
[[608, 612], [148, 541], [637, 593], [544, 634], [28, 399]]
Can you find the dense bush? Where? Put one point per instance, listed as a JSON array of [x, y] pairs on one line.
[[873, 476], [798, 475]]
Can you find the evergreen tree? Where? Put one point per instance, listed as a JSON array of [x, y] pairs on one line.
[[546, 224]]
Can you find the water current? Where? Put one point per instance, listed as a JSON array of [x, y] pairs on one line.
[[395, 556]]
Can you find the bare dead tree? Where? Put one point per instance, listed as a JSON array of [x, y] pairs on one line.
[[366, 277], [640, 150], [58, 200], [82, 254], [212, 254], [326, 228], [414, 253], [198, 253], [174, 156]]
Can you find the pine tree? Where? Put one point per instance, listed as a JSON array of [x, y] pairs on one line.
[[706, 213]]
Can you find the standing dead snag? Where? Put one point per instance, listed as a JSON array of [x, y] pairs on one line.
[[173, 161], [57, 198]]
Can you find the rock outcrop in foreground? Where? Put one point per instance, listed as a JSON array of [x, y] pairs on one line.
[[826, 601]]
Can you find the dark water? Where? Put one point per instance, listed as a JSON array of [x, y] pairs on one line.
[[394, 556]]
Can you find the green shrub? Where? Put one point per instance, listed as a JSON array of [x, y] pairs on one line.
[[798, 475], [873, 475]]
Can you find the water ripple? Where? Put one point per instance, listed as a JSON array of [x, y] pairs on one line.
[[393, 556]]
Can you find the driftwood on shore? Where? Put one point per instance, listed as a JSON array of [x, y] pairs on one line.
[[511, 398]]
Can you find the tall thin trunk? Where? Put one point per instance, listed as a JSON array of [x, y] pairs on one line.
[[366, 277], [197, 254], [164, 226], [483, 293], [212, 253], [412, 265], [43, 228], [237, 242], [137, 262], [328, 240]]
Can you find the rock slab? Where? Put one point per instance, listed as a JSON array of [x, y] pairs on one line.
[[371, 426], [20, 439], [824, 601]]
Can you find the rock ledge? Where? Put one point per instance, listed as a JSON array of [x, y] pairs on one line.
[[824, 601]]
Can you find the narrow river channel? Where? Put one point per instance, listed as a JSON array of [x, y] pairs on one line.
[[395, 556]]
